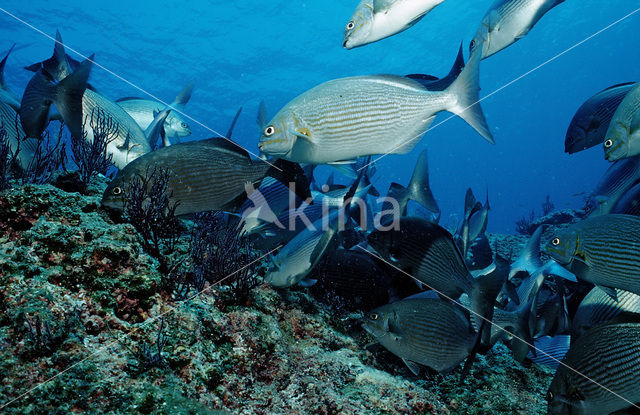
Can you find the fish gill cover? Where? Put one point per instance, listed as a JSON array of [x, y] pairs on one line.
[[148, 264]]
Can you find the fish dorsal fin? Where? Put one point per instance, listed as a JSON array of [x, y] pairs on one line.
[[128, 99], [2, 65], [382, 6], [233, 123], [619, 85], [225, 145], [183, 97], [261, 120], [421, 77]]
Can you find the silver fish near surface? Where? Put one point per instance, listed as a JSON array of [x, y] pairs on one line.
[[622, 139], [143, 111], [508, 21], [608, 356], [374, 20], [589, 125], [603, 250], [353, 117], [428, 332]]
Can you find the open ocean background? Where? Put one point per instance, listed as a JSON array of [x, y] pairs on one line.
[[242, 52]]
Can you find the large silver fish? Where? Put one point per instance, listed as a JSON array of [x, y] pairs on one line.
[[203, 175], [598, 307], [6, 95], [143, 111], [622, 139], [590, 123], [428, 332], [508, 21], [603, 250], [85, 111], [604, 360], [377, 19], [353, 117]]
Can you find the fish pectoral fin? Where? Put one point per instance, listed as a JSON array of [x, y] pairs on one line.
[[303, 133], [382, 6], [493, 21], [341, 162], [611, 292], [413, 366]]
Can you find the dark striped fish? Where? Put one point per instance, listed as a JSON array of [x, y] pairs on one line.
[[6, 95], [10, 123], [590, 123], [264, 204], [550, 350], [609, 356], [603, 250], [621, 176], [353, 117], [204, 175], [508, 21], [629, 203], [353, 276], [598, 307], [428, 332]]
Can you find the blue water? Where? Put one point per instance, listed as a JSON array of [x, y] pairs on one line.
[[245, 51]]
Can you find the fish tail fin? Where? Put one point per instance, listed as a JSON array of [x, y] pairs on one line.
[[467, 102], [292, 175], [455, 71], [484, 292], [419, 189], [525, 325], [34, 106], [68, 97], [474, 351], [529, 258], [233, 123], [3, 62]]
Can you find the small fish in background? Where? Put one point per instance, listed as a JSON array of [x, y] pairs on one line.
[[143, 111], [602, 250], [474, 222], [622, 139], [6, 95], [508, 21], [616, 182], [374, 20], [428, 332], [629, 203], [604, 359], [82, 108], [589, 125], [599, 307], [204, 175], [391, 112]]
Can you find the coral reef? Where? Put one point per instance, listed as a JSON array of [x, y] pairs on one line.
[[85, 326]]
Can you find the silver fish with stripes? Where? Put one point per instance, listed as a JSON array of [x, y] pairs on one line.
[[598, 307], [603, 250], [619, 178], [602, 362], [508, 21], [622, 139], [6, 95], [347, 118], [427, 331], [590, 123]]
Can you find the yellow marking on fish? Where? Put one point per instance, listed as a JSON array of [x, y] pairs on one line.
[[304, 131], [274, 141]]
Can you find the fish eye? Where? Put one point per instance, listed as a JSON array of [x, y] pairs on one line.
[[373, 316], [116, 191], [555, 241], [608, 143], [268, 132], [184, 125], [350, 25], [472, 45]]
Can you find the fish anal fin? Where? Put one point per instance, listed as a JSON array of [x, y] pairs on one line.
[[413, 366]]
